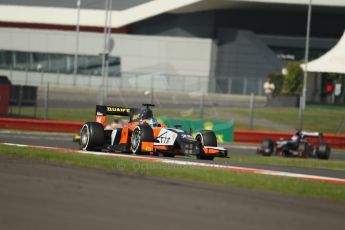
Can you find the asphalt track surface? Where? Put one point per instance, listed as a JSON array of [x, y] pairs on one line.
[[65, 141], [40, 195]]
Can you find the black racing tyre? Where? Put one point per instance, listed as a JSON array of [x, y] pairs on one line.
[[205, 138], [323, 152], [208, 138], [91, 136], [267, 146], [142, 133]]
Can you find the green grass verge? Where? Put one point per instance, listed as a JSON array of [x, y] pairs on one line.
[[214, 176], [321, 119], [285, 161], [59, 114]]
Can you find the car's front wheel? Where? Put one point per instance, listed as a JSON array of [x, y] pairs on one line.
[[91, 136], [205, 138], [142, 133]]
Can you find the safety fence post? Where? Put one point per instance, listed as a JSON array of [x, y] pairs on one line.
[[251, 111], [46, 98]]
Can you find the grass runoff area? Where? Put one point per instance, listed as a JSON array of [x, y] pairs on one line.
[[325, 119], [286, 161], [192, 173]]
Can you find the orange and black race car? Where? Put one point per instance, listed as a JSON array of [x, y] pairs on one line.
[[142, 134]]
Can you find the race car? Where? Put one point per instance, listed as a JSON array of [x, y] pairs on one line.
[[142, 134], [302, 144]]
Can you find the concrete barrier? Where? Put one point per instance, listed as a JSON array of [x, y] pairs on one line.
[[40, 125]]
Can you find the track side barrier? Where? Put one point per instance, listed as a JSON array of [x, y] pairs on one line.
[[40, 125], [240, 136]]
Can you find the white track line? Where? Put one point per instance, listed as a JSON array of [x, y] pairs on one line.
[[199, 164], [237, 146]]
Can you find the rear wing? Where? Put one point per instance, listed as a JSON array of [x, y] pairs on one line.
[[311, 134], [103, 110], [317, 135]]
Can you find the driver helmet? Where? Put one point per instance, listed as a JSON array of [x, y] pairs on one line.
[[152, 122], [294, 138], [146, 114], [297, 136]]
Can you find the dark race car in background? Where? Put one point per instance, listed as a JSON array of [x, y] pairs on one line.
[[302, 144]]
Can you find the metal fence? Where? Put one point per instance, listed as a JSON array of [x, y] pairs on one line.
[[237, 85], [142, 81]]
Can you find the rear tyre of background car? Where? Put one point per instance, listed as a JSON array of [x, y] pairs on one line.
[[323, 152], [205, 138], [142, 133], [267, 146], [91, 136]]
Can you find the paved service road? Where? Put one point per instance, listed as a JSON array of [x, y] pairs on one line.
[[36, 138], [64, 141], [40, 195]]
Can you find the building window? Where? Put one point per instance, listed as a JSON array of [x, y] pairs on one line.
[[57, 63], [20, 60], [39, 62]]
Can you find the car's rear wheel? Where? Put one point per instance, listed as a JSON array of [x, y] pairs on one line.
[[142, 133], [205, 138], [91, 136], [323, 152]]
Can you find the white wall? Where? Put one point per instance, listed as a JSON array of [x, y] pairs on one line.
[[88, 17], [147, 54]]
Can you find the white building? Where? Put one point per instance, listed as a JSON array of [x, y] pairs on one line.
[[226, 46]]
